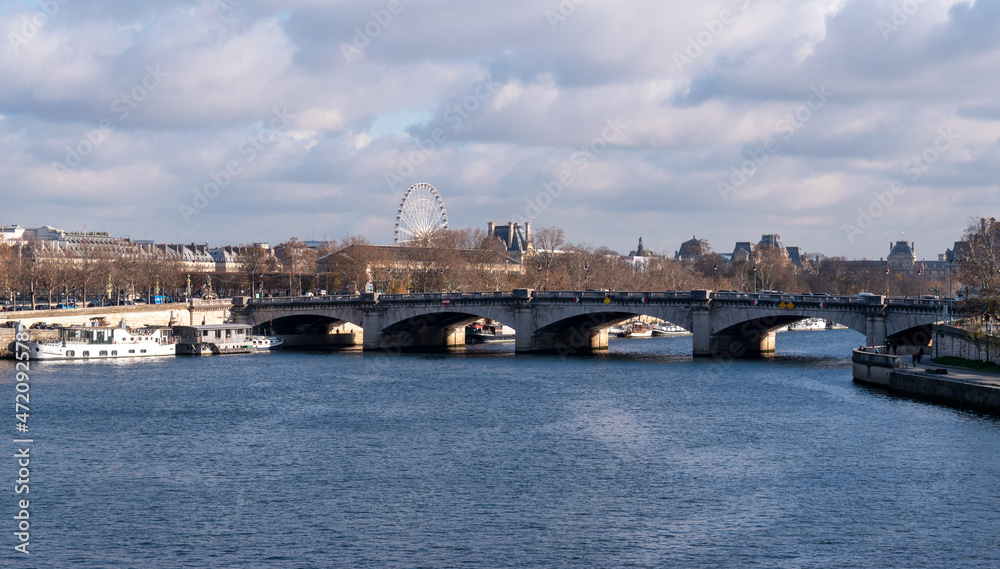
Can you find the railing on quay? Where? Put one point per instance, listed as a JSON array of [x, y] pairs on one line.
[[599, 295]]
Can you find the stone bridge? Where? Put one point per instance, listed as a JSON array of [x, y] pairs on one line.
[[736, 324]]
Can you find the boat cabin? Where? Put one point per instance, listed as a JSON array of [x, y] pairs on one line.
[[213, 334]]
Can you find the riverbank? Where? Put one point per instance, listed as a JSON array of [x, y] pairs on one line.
[[958, 387]]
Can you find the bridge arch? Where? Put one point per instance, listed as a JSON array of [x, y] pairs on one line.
[[729, 321], [574, 327], [307, 326], [430, 327]]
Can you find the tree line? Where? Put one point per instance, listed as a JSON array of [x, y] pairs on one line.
[[455, 260], [472, 260]]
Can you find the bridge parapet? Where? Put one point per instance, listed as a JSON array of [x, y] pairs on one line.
[[548, 320]]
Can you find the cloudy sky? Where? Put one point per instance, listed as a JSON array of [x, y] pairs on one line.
[[839, 124]]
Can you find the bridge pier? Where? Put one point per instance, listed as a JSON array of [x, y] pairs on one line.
[[701, 329], [875, 334], [753, 345], [371, 329], [523, 328], [565, 341]]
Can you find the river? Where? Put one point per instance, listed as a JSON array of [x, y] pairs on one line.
[[638, 457]]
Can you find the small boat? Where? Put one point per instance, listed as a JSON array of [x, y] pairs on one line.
[[807, 324], [488, 334], [104, 342], [669, 329], [637, 330], [616, 330], [264, 343]]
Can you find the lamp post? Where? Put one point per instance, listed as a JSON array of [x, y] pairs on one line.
[[920, 273], [755, 279], [586, 275], [715, 277], [951, 296], [887, 281]]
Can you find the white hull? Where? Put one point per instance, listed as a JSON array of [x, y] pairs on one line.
[[104, 342], [71, 351], [637, 330], [669, 330], [646, 334], [808, 324], [264, 343]]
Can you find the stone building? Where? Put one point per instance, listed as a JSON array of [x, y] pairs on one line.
[[518, 241]]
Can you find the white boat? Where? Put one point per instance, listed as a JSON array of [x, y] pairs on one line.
[[103, 342], [263, 343], [488, 334], [615, 330], [807, 324], [669, 329], [636, 330]]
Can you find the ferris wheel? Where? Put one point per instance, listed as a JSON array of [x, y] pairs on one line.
[[420, 215]]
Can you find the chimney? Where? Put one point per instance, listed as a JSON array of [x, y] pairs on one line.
[[527, 235], [510, 234], [491, 228]]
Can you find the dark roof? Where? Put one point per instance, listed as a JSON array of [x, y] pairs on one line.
[[957, 251], [690, 248], [901, 248], [794, 255], [743, 246], [773, 240], [516, 243]]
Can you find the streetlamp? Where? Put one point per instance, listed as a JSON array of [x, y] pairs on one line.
[[919, 283], [586, 275], [715, 275], [755, 279], [951, 296], [887, 281]]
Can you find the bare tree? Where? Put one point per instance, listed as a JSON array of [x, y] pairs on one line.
[[296, 259]]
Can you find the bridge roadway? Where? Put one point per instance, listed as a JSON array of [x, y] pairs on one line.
[[733, 324]]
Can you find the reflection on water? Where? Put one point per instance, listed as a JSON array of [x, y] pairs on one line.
[[638, 457]]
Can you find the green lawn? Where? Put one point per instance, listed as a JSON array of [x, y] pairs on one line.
[[971, 364]]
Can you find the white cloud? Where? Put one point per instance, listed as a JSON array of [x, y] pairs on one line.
[[353, 121]]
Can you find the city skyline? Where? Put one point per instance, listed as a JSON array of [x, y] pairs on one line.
[[841, 126], [721, 249]]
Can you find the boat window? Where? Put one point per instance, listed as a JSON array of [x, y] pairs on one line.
[[142, 351], [104, 352], [131, 351], [86, 354], [70, 353], [114, 352]]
